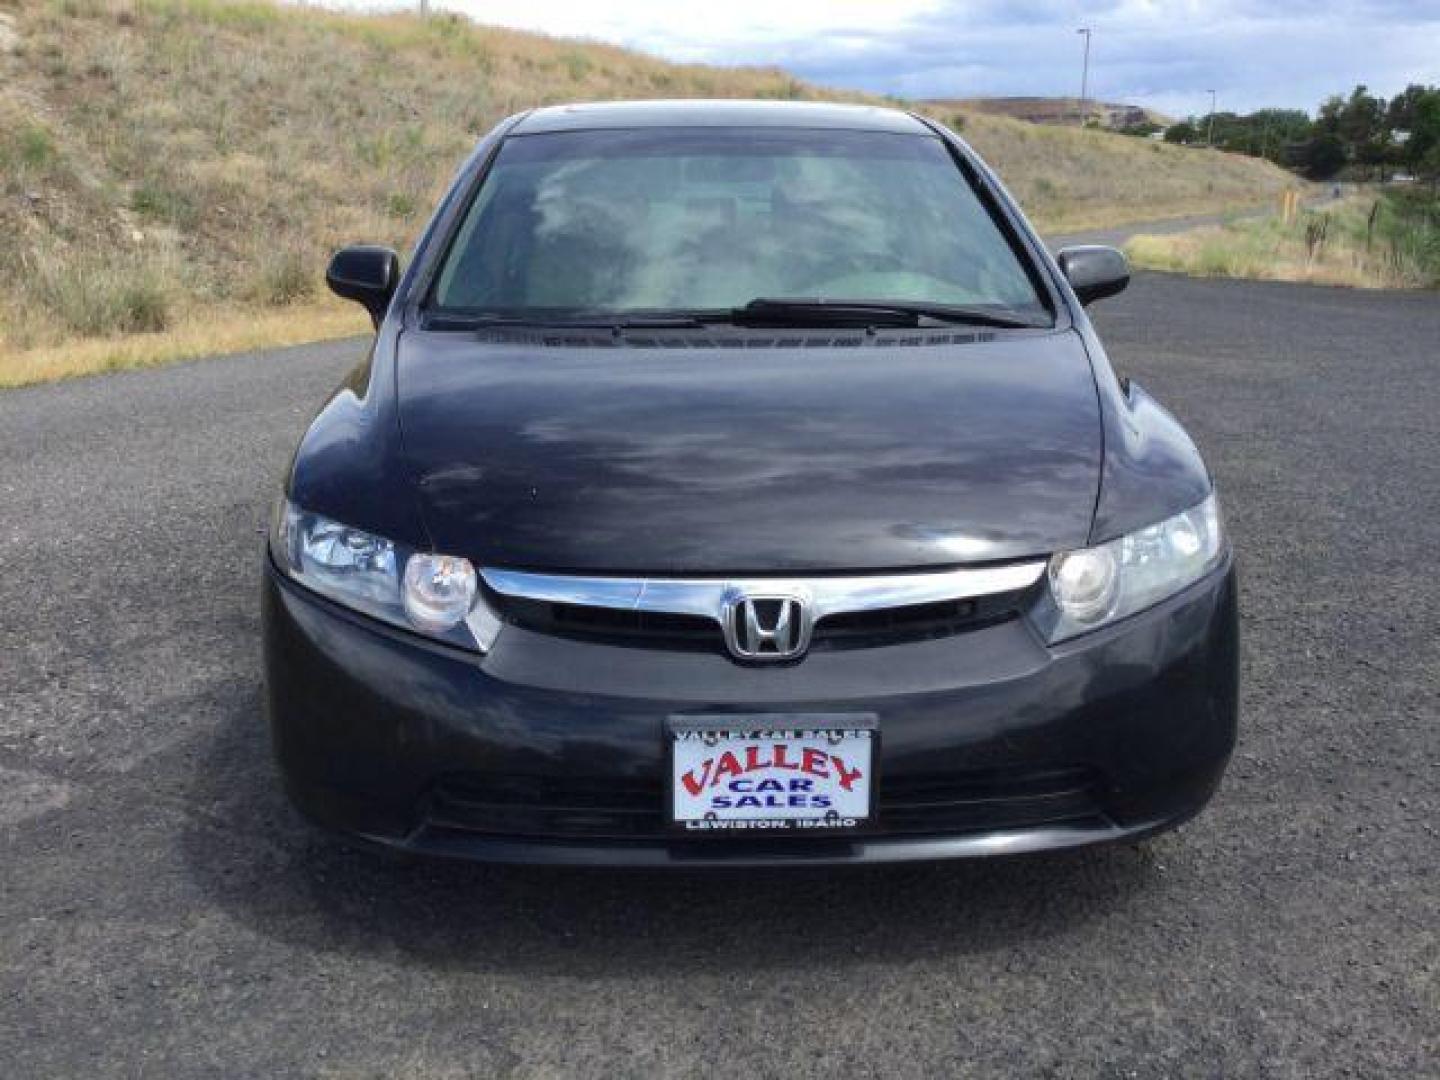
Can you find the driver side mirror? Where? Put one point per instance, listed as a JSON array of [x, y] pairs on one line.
[[1094, 272], [367, 274]]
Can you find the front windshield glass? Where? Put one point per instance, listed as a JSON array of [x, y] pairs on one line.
[[694, 219]]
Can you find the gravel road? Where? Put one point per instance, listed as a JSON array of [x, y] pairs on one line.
[[163, 912]]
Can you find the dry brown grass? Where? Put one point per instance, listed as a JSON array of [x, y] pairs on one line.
[[215, 332], [1068, 179], [161, 160]]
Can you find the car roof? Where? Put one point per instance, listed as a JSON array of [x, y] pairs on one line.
[[640, 114]]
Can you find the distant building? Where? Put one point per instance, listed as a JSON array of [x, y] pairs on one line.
[[1123, 116]]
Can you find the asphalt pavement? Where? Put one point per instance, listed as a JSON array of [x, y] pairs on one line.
[[164, 913]]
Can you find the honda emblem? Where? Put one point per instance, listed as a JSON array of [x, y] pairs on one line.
[[766, 627]]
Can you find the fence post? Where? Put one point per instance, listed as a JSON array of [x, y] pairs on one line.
[[1289, 206]]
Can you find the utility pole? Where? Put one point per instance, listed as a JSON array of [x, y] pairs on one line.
[[424, 8], [1084, 73], [1210, 133]]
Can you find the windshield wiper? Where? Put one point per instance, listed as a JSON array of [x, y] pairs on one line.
[[462, 321], [762, 311], [803, 311]]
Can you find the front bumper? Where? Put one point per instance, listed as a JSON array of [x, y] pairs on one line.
[[551, 750]]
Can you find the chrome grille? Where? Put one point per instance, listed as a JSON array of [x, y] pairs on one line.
[[846, 612]]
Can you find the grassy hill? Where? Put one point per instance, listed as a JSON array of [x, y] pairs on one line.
[[173, 173], [1054, 110]]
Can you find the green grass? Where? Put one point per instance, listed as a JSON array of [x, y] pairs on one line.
[[152, 199], [34, 148]]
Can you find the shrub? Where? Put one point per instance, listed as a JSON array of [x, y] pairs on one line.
[[401, 204], [144, 306], [283, 277], [92, 296], [577, 65], [36, 147], [784, 89], [27, 146], [164, 204]]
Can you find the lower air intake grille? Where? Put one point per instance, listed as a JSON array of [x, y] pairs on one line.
[[937, 804]]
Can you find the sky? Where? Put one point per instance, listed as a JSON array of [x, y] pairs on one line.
[[1165, 54]]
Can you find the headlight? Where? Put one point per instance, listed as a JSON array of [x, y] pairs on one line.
[[436, 595], [437, 591], [1094, 586]]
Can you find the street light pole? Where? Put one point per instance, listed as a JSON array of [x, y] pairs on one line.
[[1210, 132], [1084, 73]]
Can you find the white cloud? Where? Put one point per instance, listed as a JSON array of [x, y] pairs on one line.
[[725, 32], [1163, 53]]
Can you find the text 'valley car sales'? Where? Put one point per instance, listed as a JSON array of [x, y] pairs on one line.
[[771, 779]]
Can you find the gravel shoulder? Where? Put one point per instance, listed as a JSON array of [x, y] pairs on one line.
[[163, 912]]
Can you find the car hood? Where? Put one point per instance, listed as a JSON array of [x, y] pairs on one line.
[[713, 459]]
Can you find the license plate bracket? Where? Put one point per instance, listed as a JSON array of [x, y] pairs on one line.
[[757, 773]]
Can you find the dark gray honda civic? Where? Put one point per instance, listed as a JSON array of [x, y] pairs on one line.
[[742, 483]]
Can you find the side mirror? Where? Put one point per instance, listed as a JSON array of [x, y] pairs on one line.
[[1094, 272], [366, 274]]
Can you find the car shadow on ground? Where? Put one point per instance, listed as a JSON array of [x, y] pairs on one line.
[[265, 866]]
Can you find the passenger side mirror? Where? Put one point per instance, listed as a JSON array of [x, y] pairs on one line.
[[1094, 272], [367, 274]]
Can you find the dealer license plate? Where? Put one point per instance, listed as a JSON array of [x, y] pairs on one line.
[[772, 772]]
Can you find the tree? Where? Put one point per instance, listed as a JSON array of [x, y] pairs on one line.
[[1428, 167], [1361, 126], [1182, 132], [1143, 130], [1362, 117], [1324, 156], [1358, 130], [1401, 114], [1424, 119], [1328, 120], [1272, 131]]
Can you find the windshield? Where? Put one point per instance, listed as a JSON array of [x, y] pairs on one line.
[[691, 219]]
